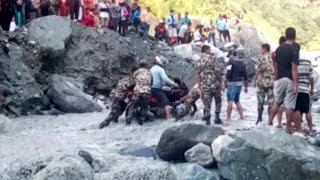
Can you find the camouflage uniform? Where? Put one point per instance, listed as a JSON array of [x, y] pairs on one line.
[[193, 96], [210, 73], [265, 83], [118, 96], [141, 96]]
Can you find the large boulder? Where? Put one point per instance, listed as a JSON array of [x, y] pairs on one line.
[[101, 59], [66, 168], [16, 80], [68, 98], [51, 33], [175, 141], [220, 143], [184, 51], [200, 154], [269, 154]]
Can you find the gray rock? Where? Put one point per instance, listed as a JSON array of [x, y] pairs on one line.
[[200, 154], [66, 168], [220, 143], [196, 57], [70, 99], [124, 168], [184, 51], [175, 141], [269, 154], [187, 171], [17, 87], [86, 156], [139, 150], [51, 33]]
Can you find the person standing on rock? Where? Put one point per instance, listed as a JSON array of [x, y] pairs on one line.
[[74, 9], [159, 78], [64, 7], [227, 37], [120, 98], [221, 24], [145, 23], [264, 80], [115, 15], [210, 81], [141, 95], [19, 10], [172, 30], [236, 76], [186, 19], [6, 13], [286, 76], [212, 34], [306, 89]]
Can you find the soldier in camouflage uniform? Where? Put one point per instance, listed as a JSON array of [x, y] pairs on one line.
[[190, 100], [141, 95], [210, 80], [264, 80], [119, 103]]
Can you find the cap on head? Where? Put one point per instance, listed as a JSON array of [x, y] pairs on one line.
[[158, 60]]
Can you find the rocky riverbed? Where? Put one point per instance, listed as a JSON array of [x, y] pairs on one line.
[[31, 143]]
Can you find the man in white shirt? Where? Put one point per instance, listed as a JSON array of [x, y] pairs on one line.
[[183, 34]]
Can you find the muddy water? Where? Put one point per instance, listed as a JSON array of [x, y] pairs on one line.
[[35, 137]]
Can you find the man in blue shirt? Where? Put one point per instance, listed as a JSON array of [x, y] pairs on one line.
[[159, 78], [221, 24]]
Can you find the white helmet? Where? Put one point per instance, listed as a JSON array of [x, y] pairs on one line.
[[158, 60]]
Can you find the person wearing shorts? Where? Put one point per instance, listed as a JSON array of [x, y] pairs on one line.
[[236, 77], [306, 87], [172, 28], [286, 75]]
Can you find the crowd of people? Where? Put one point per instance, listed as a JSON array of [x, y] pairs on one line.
[[118, 15], [283, 79], [114, 14], [178, 30]]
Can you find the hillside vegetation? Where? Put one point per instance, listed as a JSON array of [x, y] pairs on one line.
[[271, 17]]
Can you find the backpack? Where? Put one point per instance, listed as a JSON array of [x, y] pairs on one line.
[[124, 12]]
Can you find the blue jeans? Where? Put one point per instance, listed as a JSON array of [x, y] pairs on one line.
[[145, 29], [212, 37], [233, 93]]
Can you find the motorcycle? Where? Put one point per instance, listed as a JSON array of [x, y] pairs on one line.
[[174, 94]]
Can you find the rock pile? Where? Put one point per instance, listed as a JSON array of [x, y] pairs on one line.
[[92, 60], [256, 154]]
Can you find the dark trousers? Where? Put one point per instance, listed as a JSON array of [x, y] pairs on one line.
[[123, 27], [5, 20], [115, 24], [74, 9], [212, 38], [227, 35], [221, 34], [145, 29]]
